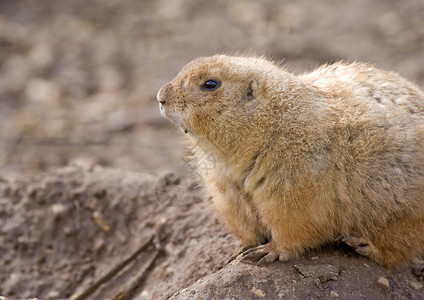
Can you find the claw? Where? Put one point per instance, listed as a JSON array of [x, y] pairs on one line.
[[231, 258], [237, 254], [253, 249], [264, 254], [258, 255], [267, 259]]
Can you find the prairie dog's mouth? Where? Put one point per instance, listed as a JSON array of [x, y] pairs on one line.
[[171, 115], [175, 120], [162, 110]]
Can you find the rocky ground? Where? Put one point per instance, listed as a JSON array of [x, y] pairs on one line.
[[95, 233], [78, 81]]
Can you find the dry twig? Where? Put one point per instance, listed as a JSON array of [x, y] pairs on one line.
[[90, 290]]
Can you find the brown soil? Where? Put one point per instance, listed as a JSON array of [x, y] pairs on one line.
[[78, 81], [63, 230]]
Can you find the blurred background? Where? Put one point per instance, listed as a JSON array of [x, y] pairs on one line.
[[78, 79]]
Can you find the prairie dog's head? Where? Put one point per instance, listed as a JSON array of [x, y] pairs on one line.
[[212, 95]]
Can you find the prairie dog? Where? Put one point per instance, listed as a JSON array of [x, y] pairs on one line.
[[300, 160]]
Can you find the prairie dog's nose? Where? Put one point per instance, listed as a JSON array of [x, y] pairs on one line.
[[161, 96]]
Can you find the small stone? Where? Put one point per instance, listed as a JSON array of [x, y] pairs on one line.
[[67, 230], [383, 281], [58, 209], [416, 285], [334, 294], [258, 292], [100, 221], [145, 294], [53, 294]]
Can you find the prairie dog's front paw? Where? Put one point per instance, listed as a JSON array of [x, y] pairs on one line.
[[264, 254]]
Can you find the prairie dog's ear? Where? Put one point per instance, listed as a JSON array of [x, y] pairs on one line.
[[251, 90]]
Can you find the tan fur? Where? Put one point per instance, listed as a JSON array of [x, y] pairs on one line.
[[300, 160]]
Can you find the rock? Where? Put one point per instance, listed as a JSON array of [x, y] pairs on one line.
[[58, 209], [333, 294], [258, 292], [383, 281], [416, 285]]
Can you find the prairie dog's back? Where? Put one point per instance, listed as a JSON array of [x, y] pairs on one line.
[[363, 84]]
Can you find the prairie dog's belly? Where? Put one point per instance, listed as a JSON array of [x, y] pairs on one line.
[[236, 207]]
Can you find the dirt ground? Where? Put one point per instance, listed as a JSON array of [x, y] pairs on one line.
[[61, 231], [95, 233], [78, 81]]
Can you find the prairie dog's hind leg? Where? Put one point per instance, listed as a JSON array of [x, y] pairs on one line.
[[361, 245], [401, 242]]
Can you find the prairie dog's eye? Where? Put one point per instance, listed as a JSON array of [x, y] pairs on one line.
[[210, 85]]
